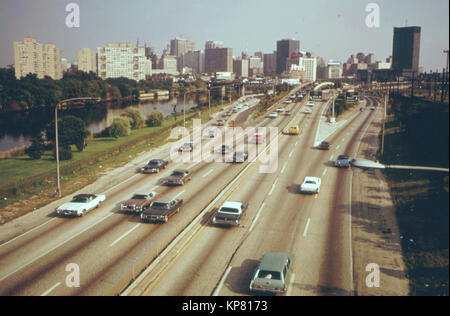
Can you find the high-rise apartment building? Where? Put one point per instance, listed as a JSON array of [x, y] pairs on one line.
[[31, 57], [218, 60], [406, 49], [122, 60], [334, 70], [87, 60], [309, 64], [285, 48]]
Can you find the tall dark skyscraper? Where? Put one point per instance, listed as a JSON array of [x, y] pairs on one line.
[[285, 48], [406, 49]]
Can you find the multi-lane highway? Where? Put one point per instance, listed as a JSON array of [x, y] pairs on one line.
[[187, 255]]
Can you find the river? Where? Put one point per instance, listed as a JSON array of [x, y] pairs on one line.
[[16, 128]]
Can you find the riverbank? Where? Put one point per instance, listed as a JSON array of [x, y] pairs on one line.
[[27, 184]]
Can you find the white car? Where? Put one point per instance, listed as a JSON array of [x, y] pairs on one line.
[[311, 104], [310, 185], [210, 134], [308, 111], [80, 205], [273, 115], [280, 110]]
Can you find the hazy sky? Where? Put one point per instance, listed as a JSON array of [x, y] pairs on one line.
[[331, 29]]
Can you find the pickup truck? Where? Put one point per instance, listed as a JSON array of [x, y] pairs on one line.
[[161, 211], [230, 214], [80, 205]]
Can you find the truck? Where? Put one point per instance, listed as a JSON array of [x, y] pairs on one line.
[[230, 214]]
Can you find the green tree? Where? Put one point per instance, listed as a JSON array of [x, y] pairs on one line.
[[155, 118], [136, 119], [71, 131], [37, 148], [120, 127]]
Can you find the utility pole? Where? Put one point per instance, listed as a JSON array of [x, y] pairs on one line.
[[384, 121]]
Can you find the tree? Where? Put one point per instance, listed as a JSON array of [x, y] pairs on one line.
[[37, 147], [120, 127], [136, 119], [155, 118], [71, 131]]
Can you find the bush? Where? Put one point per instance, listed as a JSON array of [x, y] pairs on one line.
[[120, 127], [37, 148], [155, 118], [136, 119]]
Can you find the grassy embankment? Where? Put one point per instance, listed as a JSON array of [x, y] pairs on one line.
[[421, 198], [94, 164]]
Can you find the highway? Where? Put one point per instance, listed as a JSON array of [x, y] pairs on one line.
[[189, 256]]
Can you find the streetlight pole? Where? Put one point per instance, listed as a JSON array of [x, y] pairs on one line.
[[184, 109], [58, 183]]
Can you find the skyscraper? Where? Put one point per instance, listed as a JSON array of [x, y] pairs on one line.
[[285, 48], [406, 50], [87, 60], [218, 60]]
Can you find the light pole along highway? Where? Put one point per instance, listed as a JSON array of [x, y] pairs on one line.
[[58, 183], [368, 164]]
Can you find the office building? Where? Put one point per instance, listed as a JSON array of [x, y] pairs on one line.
[[87, 60], [218, 60], [270, 64], [213, 44], [334, 70], [122, 60], [241, 67], [406, 50], [285, 49], [309, 65], [194, 60]]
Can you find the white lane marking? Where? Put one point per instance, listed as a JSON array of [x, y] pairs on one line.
[[51, 289], [192, 166], [178, 195], [305, 232], [338, 146], [125, 235], [324, 172], [316, 197], [208, 173], [332, 157], [290, 154], [296, 143], [343, 139], [273, 186], [113, 187], [219, 287], [291, 282], [284, 167], [37, 227], [257, 216], [56, 247]]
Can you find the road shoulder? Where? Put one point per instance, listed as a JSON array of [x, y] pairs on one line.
[[375, 233]]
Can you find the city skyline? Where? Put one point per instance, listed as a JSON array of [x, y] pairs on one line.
[[249, 26]]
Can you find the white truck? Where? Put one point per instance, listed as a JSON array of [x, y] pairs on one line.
[[230, 214]]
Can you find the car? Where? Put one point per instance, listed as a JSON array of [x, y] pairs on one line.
[[235, 110], [280, 110], [80, 205], [287, 113], [186, 147], [259, 138], [273, 273], [310, 185], [239, 157], [324, 145], [138, 203], [230, 214], [210, 134], [307, 111], [224, 150], [154, 166], [273, 115], [287, 102], [311, 104], [293, 130], [372, 108], [178, 177], [161, 211], [343, 161], [220, 123]]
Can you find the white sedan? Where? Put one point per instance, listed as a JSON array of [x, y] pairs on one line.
[[310, 185], [80, 205], [273, 115]]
